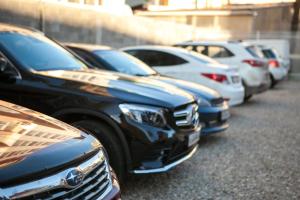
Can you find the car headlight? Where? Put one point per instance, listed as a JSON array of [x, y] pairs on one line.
[[204, 102], [152, 116]]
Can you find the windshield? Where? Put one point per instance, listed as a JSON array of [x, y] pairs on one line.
[[38, 52], [200, 58], [124, 63]]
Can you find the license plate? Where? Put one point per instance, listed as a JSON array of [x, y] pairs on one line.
[[225, 115], [193, 138], [235, 79]]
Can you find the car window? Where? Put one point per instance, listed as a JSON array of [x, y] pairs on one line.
[[187, 47], [201, 49], [198, 49], [34, 51], [219, 52], [10, 69], [255, 51], [88, 58], [269, 53], [200, 58], [123, 62], [157, 58]]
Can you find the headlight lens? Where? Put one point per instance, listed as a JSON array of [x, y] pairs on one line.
[[152, 116], [204, 103]]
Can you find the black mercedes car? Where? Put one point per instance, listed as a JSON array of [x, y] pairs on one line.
[[43, 158], [145, 127], [213, 110]]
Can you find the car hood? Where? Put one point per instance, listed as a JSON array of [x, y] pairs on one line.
[[199, 91], [124, 87], [32, 144]]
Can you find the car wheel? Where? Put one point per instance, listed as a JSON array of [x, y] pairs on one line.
[[248, 97], [273, 82], [110, 142]]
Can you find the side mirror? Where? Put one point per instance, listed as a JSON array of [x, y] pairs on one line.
[[3, 64]]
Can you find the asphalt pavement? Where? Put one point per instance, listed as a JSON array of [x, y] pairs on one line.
[[258, 157]]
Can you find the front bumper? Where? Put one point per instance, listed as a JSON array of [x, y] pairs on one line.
[[114, 193], [168, 166], [156, 150], [211, 119]]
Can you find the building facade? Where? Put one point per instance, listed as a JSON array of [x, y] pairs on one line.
[[160, 5]]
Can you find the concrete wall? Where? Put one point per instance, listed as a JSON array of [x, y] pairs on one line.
[[236, 20], [72, 23], [88, 25]]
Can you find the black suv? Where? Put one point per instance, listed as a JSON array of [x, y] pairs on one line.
[[43, 158], [213, 110], [145, 127]]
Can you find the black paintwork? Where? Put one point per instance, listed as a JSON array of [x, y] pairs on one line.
[[208, 112], [54, 145], [73, 95]]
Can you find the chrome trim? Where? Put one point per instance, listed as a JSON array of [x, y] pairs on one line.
[[190, 114], [167, 167], [57, 180], [107, 190]]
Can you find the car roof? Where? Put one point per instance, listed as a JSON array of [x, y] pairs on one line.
[[204, 42], [87, 47], [223, 43], [157, 47], [19, 29]]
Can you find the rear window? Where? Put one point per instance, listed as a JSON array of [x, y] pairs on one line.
[[270, 53], [255, 51]]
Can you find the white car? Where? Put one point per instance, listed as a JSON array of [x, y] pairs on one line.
[[277, 66], [252, 68], [280, 46], [191, 66]]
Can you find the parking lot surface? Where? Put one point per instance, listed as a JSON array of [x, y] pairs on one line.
[[258, 157]]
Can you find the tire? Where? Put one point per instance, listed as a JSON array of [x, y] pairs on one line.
[[273, 82], [110, 142], [247, 98]]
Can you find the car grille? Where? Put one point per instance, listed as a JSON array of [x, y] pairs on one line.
[[96, 184], [187, 117], [218, 102]]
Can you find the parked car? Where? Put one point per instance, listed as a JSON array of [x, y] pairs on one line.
[[191, 66], [145, 127], [253, 70], [278, 70], [280, 46], [213, 110], [43, 158]]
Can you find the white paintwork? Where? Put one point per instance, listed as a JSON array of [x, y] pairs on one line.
[[193, 69], [252, 76], [281, 46]]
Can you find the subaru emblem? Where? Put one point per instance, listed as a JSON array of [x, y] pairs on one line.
[[74, 178]]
